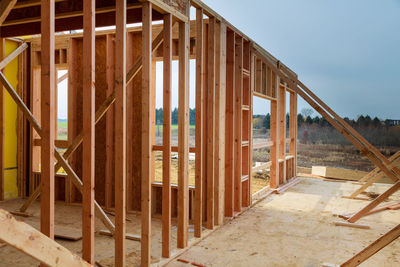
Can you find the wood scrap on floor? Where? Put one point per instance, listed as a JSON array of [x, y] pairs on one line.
[[20, 213], [353, 225]]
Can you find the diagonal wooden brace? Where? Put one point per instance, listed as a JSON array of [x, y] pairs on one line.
[[75, 179], [101, 111], [376, 170]]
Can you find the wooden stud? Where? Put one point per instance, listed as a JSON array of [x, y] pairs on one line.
[[146, 133], [282, 129], [210, 122], [183, 136], [47, 115], [88, 131], [274, 136], [198, 218], [293, 130], [166, 187], [220, 92], [238, 120], [230, 124], [120, 133]]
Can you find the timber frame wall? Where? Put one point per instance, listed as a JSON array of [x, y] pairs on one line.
[[111, 110]]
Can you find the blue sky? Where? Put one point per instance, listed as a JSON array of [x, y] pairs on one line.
[[347, 52]]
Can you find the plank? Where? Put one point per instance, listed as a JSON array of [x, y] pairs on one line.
[[353, 225], [183, 136], [30, 241], [88, 143], [376, 170], [2, 123], [373, 248], [120, 133], [4, 62], [47, 118], [282, 130], [274, 136], [238, 122], [198, 218], [146, 133], [210, 122], [293, 130], [5, 9], [230, 124], [167, 93]]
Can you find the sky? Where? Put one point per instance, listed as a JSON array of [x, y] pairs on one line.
[[346, 52]]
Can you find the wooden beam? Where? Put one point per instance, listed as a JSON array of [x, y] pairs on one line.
[[166, 187], [146, 134], [5, 9], [120, 133], [230, 124], [183, 136], [376, 170], [28, 240], [30, 3], [274, 133], [220, 95], [88, 156], [210, 122], [238, 120], [282, 130], [4, 61], [164, 8], [2, 122], [198, 218], [47, 118], [373, 248], [293, 130]]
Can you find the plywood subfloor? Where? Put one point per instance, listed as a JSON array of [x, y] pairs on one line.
[[296, 229]]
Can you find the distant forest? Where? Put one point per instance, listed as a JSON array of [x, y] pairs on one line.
[[174, 116]]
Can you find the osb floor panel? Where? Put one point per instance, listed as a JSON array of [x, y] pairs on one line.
[[291, 229], [296, 229]]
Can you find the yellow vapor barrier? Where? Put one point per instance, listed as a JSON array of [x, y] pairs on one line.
[[10, 138]]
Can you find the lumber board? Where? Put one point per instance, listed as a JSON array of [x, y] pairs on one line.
[[35, 244], [146, 134], [2, 124], [88, 142], [13, 55], [5, 9], [120, 133], [198, 218], [166, 171], [353, 225], [274, 136], [373, 248], [183, 136], [282, 130], [47, 97]]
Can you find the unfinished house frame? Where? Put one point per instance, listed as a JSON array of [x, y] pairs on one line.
[[108, 157]]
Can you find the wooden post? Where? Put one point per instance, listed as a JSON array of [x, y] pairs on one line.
[[47, 118], [210, 122], [2, 129], [274, 134], [198, 218], [88, 130], [238, 120], [230, 124], [282, 129], [220, 92], [183, 136], [120, 133], [293, 130], [166, 190], [146, 133]]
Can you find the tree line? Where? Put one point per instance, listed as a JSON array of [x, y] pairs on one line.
[[174, 116]]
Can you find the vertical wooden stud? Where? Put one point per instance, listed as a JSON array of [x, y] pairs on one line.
[[238, 120], [274, 136], [229, 124], [88, 130], [293, 130], [166, 190], [198, 218], [282, 128], [2, 129], [47, 118], [183, 136], [120, 133], [210, 121], [146, 133]]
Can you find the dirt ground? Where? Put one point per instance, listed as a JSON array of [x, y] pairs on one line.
[[296, 229]]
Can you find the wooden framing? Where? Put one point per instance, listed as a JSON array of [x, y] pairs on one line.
[[88, 132], [282, 132], [274, 134], [146, 134], [2, 126], [5, 8], [198, 218], [167, 83], [47, 115], [183, 136]]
